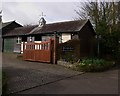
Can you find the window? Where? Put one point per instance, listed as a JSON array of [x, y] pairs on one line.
[[30, 39], [19, 40]]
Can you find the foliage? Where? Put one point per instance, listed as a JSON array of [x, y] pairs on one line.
[[0, 16], [102, 14], [69, 51], [4, 83], [105, 17], [69, 57], [110, 45], [94, 65]]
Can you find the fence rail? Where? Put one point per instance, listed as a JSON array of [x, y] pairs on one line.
[[38, 51]]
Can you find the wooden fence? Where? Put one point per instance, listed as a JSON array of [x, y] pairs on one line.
[[41, 52]]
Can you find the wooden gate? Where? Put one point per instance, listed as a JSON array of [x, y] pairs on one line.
[[41, 52]]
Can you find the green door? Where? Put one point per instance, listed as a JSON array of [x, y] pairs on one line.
[[9, 44]]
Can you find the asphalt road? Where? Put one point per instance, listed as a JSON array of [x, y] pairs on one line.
[[40, 78], [24, 75], [88, 83]]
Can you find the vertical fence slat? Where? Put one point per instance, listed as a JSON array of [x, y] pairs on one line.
[[38, 51]]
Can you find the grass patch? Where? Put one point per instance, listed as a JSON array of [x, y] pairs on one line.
[[94, 65], [4, 83], [89, 65]]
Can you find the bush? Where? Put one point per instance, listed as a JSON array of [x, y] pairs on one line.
[[4, 83], [69, 57], [94, 65]]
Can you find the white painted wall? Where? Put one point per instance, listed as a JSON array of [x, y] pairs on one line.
[[22, 47], [37, 41], [65, 37]]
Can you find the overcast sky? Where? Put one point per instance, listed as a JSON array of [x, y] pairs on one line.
[[29, 12]]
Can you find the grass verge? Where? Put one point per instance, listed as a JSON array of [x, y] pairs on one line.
[[4, 83]]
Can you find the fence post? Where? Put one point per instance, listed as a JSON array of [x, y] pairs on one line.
[[23, 50], [51, 50], [56, 41], [54, 52]]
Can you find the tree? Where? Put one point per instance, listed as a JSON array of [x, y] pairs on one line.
[[0, 16], [105, 17], [100, 13]]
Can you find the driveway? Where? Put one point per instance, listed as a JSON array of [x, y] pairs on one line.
[[41, 78], [88, 83], [24, 75]]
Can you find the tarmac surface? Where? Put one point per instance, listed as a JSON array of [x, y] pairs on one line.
[[24, 75], [41, 78], [89, 83]]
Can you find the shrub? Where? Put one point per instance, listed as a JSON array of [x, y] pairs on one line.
[[4, 83], [94, 65], [69, 57]]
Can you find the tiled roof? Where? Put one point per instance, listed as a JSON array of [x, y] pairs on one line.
[[8, 23], [5, 24], [69, 26], [20, 31]]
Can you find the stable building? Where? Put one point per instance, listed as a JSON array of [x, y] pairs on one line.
[[13, 38], [80, 30], [5, 28]]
